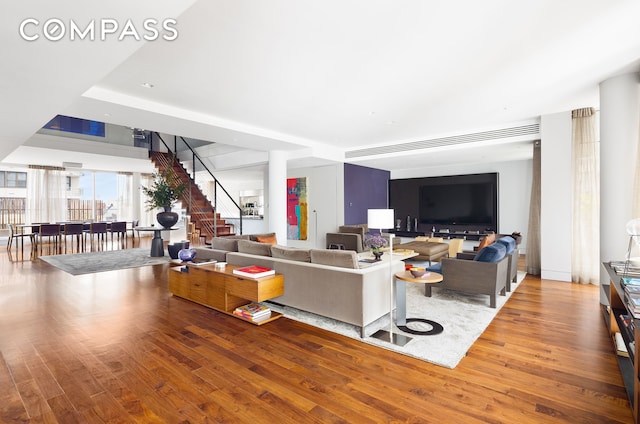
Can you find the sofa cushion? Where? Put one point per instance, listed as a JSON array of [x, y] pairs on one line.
[[339, 258], [269, 239], [254, 237], [436, 267], [361, 229], [508, 242], [493, 253], [223, 243], [254, 248], [290, 253], [486, 241]]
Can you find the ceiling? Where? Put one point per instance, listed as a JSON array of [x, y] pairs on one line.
[[320, 79]]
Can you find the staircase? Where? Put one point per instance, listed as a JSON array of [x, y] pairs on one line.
[[207, 222]]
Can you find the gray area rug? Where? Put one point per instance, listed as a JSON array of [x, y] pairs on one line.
[[108, 260], [463, 316]]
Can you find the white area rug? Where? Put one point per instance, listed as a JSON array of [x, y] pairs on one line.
[[463, 316], [108, 260]]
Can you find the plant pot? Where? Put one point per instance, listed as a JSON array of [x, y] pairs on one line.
[[167, 219], [377, 254]]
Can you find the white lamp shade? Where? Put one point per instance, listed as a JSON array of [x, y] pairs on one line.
[[380, 218]]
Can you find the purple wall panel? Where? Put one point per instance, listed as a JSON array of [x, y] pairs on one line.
[[364, 188]]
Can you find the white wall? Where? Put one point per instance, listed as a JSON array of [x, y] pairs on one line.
[[619, 124], [514, 189], [556, 194], [325, 186]]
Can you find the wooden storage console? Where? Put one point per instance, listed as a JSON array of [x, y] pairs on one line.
[[222, 290], [629, 366]]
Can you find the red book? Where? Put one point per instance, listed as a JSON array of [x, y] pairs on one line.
[[254, 271]]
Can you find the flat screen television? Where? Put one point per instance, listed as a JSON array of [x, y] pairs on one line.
[[457, 203]]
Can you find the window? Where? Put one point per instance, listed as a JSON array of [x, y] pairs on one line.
[[13, 179]]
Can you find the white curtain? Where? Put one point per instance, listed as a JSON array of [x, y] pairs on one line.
[[124, 197], [585, 258], [46, 200]]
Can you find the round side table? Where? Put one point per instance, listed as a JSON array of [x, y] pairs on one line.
[[401, 302]]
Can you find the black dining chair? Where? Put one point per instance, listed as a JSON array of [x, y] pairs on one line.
[[99, 228], [74, 229], [49, 231], [119, 228]]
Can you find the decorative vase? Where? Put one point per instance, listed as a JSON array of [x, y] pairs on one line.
[[186, 255], [167, 219], [377, 254]]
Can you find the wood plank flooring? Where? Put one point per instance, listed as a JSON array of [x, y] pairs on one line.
[[115, 347]]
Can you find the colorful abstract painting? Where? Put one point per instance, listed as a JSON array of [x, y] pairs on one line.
[[297, 208]]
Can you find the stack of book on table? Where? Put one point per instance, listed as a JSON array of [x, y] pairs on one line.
[[253, 311], [254, 271], [625, 268], [631, 286]]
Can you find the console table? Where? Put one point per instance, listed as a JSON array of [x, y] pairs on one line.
[[220, 289], [613, 315]]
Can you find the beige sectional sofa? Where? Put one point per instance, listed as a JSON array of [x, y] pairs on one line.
[[325, 282]]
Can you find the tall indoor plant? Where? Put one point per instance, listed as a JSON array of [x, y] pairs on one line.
[[163, 192]]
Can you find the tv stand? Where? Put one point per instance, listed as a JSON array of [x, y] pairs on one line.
[[473, 235], [466, 235]]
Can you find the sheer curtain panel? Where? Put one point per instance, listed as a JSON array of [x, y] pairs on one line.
[[585, 257], [46, 194]]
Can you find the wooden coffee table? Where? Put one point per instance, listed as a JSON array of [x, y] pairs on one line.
[[401, 302]]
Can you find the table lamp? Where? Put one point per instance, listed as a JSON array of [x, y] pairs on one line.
[[384, 219], [633, 229]]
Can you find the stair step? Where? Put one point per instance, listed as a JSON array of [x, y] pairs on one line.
[[203, 215]]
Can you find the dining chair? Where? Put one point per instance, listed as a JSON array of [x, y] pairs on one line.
[[119, 228], [49, 231], [134, 224], [99, 228], [17, 232], [74, 229]]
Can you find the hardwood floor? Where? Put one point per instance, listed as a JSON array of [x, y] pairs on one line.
[[116, 347]]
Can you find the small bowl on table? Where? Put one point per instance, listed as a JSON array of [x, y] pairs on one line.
[[417, 272]]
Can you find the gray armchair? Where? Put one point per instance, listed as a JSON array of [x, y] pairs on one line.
[[350, 237], [512, 254], [486, 274]]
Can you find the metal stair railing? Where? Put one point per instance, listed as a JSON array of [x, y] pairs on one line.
[[223, 205]]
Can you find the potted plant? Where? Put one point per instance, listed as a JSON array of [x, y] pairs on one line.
[[163, 192], [375, 242]]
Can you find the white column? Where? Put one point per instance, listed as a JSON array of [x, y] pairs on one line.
[[555, 217], [619, 122], [136, 207], [276, 202]]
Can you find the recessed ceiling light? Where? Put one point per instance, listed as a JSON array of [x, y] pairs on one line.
[[107, 115], [147, 85]]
